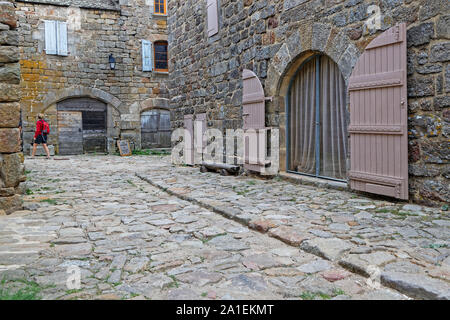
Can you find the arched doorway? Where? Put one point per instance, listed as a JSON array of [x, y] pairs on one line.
[[82, 126], [316, 127], [155, 129]]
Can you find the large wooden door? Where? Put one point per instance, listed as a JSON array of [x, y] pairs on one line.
[[70, 132], [378, 117], [93, 124], [155, 129]]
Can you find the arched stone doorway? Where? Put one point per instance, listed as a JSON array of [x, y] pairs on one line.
[[316, 120], [53, 101], [82, 126]]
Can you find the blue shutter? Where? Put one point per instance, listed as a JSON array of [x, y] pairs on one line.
[[50, 37], [62, 38], [147, 61]]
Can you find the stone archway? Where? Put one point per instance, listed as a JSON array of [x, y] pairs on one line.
[[301, 44], [78, 92], [113, 114], [154, 109]]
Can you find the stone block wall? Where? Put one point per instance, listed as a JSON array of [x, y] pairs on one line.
[[269, 37], [11, 157], [96, 29]]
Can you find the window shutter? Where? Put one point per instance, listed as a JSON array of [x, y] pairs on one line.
[[147, 63], [379, 117], [50, 37], [213, 17], [62, 38]]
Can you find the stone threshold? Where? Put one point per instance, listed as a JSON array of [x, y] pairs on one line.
[[316, 182], [410, 287]]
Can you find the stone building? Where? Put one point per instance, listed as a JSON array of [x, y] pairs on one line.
[[11, 159], [93, 68], [358, 50]]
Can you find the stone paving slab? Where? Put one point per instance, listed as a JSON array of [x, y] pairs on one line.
[[362, 234], [93, 213]]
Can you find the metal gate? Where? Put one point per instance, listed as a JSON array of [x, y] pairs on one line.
[[378, 117]]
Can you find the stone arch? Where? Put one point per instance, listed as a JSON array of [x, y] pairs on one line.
[[78, 92], [154, 103], [114, 111], [305, 41]]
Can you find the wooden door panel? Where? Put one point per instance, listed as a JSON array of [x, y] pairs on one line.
[[378, 117], [70, 133]]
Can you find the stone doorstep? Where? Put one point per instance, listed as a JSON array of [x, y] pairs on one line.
[[292, 238], [321, 183]]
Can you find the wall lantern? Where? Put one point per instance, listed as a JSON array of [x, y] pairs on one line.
[[112, 62]]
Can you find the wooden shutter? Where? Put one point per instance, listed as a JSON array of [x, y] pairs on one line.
[[378, 117], [200, 129], [213, 17], [253, 113], [62, 38], [189, 139], [50, 37], [147, 63]]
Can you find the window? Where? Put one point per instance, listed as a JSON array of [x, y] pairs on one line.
[[56, 38], [160, 7], [161, 58]]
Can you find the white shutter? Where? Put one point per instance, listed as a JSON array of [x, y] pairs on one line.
[[147, 61], [50, 37], [62, 38], [213, 17]]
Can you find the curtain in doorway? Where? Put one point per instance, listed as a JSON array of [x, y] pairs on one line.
[[333, 140], [331, 144], [302, 120]]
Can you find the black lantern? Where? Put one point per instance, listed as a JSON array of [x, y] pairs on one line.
[[112, 62]]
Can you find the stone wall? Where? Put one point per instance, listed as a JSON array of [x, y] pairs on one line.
[[271, 37], [93, 35], [11, 158]]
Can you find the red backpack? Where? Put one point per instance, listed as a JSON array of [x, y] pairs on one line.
[[45, 127]]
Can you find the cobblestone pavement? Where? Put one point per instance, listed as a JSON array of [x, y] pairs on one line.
[[407, 246], [133, 240]]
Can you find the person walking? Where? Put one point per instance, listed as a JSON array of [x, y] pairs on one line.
[[40, 136]]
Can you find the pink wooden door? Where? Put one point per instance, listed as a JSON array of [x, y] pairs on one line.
[[253, 100], [253, 113], [378, 117], [189, 139]]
